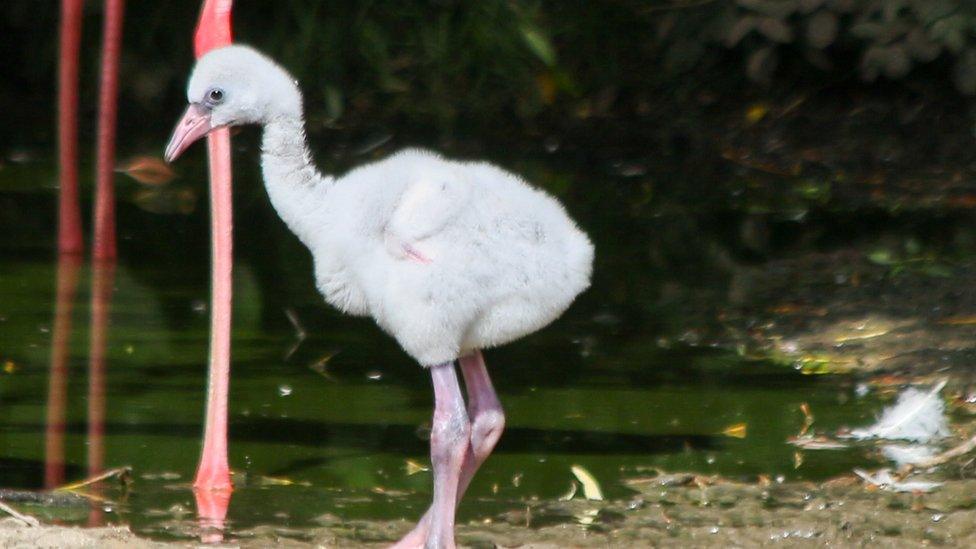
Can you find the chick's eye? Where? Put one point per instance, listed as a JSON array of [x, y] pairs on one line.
[[215, 95]]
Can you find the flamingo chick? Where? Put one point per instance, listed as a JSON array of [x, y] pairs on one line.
[[447, 257]]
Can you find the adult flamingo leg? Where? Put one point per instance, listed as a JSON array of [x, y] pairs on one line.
[[487, 423], [69, 215], [213, 473], [104, 239]]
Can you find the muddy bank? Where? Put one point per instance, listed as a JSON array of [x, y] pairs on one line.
[[849, 311], [701, 512]]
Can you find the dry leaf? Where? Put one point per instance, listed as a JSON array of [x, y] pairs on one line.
[[275, 481], [148, 170], [413, 468], [756, 112], [797, 459], [737, 430], [807, 419], [591, 488]]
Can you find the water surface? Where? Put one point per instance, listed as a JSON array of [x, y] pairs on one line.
[[328, 424]]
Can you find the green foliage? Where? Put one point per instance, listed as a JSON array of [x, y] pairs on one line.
[[437, 61], [444, 64], [890, 37]]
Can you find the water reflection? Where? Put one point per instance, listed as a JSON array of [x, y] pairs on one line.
[[602, 389], [212, 506], [103, 278], [67, 283]]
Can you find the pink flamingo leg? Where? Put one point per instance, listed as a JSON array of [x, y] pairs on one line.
[[212, 487], [58, 385], [213, 472], [449, 439], [487, 423], [69, 215], [104, 247]]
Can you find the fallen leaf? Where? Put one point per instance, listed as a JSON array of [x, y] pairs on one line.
[[807, 419], [737, 430], [797, 459], [148, 170], [275, 481], [413, 468], [756, 112], [591, 488]]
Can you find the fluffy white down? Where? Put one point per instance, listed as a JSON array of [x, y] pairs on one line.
[[502, 258], [446, 256]]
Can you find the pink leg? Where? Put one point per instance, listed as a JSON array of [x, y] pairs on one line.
[[69, 215], [104, 240], [487, 417], [213, 472], [487, 424], [449, 436]]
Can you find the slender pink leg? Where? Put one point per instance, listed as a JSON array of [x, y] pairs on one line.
[[58, 386], [213, 472], [69, 215], [104, 246], [487, 423]]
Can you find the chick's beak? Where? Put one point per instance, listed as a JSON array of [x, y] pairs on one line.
[[194, 124]]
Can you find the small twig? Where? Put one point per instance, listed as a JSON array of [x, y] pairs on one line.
[[26, 519], [120, 472]]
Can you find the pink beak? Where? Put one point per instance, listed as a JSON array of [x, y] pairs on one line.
[[194, 125]]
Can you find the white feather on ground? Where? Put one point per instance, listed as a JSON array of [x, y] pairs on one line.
[[902, 454], [917, 415], [884, 480]]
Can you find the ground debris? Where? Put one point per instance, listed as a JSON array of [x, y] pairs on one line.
[[26, 519], [885, 480], [49, 499]]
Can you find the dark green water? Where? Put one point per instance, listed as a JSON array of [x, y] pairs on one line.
[[605, 387]]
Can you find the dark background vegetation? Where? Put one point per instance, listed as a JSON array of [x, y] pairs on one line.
[[695, 135], [444, 65]]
